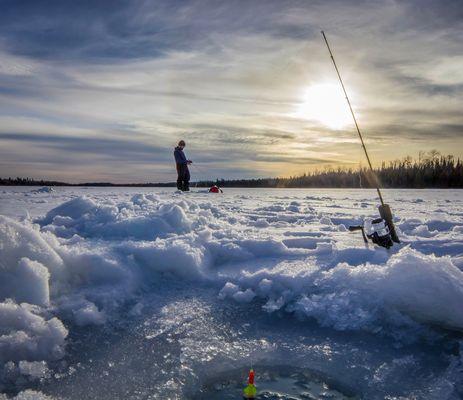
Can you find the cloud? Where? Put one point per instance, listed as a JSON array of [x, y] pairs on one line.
[[119, 81], [116, 148]]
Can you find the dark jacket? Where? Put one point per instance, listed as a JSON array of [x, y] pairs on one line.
[[180, 157]]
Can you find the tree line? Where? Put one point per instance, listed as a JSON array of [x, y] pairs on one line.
[[33, 182], [430, 170]]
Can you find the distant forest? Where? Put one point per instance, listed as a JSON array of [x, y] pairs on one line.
[[430, 170], [42, 182]]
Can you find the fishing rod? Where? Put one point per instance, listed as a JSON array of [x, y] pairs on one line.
[[384, 209], [355, 119]]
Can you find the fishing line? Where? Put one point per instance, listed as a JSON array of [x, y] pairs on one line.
[[202, 171]]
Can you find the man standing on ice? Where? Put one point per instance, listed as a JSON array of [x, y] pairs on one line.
[[183, 174]]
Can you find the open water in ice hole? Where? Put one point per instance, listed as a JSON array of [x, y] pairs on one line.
[[276, 383], [200, 340]]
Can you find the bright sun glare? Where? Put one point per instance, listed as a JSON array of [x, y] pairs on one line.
[[325, 103]]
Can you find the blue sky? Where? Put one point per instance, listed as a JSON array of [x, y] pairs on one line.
[[102, 90]]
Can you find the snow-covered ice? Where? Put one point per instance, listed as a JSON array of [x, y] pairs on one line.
[[149, 293]]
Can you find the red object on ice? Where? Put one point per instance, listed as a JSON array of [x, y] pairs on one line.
[[251, 377], [214, 189]]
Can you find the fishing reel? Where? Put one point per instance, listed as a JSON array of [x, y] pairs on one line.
[[375, 230]]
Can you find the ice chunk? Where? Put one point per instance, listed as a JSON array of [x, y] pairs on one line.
[[228, 290], [244, 296], [88, 314], [33, 369], [425, 288], [73, 208], [29, 395], [265, 285], [45, 189], [28, 282], [26, 335], [21, 240]]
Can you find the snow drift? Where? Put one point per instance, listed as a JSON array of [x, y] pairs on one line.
[[82, 260]]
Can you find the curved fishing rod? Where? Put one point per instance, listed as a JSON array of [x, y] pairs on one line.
[[384, 209], [355, 119]]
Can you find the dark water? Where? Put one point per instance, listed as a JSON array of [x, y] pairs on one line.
[[276, 383]]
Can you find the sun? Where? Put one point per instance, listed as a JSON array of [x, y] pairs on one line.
[[326, 104]]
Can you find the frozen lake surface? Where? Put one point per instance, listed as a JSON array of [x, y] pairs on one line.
[[141, 293]]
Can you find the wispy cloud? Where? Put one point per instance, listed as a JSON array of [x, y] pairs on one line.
[[117, 83]]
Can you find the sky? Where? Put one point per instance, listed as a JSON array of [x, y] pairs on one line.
[[103, 90]]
